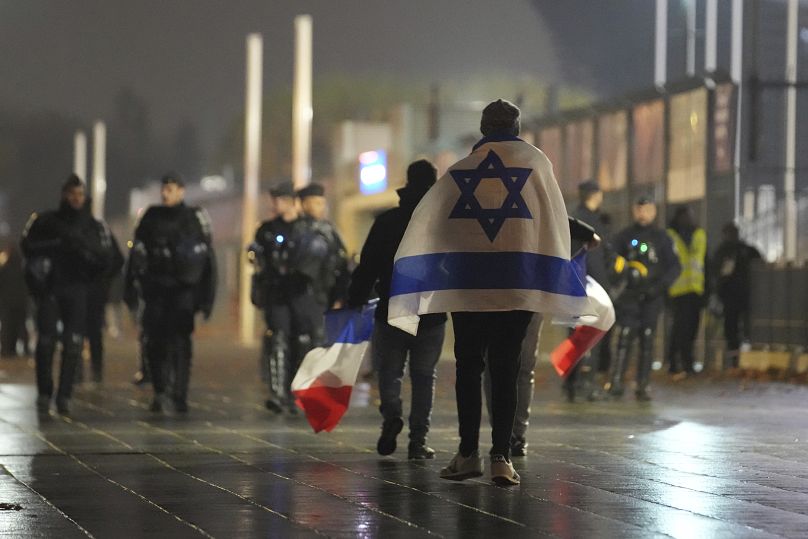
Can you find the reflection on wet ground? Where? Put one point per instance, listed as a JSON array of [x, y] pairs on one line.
[[707, 458]]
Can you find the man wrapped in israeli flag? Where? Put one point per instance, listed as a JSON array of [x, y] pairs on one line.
[[490, 243]]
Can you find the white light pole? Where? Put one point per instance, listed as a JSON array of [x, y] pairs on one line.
[[99, 184], [80, 155], [252, 171], [736, 73], [711, 36], [790, 224], [301, 104], [661, 47], [690, 8]]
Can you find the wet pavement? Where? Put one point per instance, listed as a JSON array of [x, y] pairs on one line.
[[709, 457]]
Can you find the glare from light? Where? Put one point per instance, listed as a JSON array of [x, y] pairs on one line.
[[368, 158], [213, 184], [373, 174]]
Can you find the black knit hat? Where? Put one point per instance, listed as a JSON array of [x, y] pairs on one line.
[[421, 175], [500, 117], [312, 190], [172, 177]]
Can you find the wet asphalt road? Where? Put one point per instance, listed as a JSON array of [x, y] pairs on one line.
[[709, 457]]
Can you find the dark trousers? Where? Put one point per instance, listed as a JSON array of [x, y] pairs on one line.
[[496, 337], [524, 380], [69, 305], [168, 321], [636, 318], [736, 326], [12, 329], [293, 328], [686, 315], [390, 347]]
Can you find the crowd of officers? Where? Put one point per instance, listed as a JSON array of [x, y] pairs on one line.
[[302, 270]]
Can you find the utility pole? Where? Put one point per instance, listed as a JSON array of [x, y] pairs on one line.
[[99, 184], [661, 46], [711, 37], [80, 155], [301, 106], [252, 171], [690, 7], [792, 44], [736, 73]]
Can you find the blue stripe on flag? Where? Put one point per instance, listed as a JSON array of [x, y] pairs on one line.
[[349, 326], [500, 270]]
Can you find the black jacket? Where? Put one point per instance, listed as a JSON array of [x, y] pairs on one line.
[[376, 260], [173, 247], [651, 246], [77, 248], [730, 269], [598, 259]]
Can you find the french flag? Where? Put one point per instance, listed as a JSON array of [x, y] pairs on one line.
[[589, 329], [323, 384]]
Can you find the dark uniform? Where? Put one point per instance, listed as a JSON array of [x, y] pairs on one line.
[[65, 251], [333, 287], [642, 298], [290, 287], [13, 303], [173, 266]]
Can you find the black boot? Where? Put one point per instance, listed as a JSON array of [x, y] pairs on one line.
[[182, 372], [387, 441], [644, 364], [620, 363]]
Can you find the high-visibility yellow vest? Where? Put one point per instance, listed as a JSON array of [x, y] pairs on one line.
[[691, 257]]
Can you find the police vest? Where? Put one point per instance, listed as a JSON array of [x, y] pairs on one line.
[[691, 258]]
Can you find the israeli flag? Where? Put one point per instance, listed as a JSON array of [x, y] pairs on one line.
[[491, 235]]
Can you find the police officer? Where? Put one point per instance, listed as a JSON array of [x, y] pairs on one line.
[[289, 255], [65, 251], [172, 264], [648, 266], [333, 287]]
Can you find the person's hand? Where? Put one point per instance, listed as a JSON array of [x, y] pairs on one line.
[[339, 304], [594, 242]]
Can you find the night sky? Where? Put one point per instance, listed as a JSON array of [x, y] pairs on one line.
[[186, 58]]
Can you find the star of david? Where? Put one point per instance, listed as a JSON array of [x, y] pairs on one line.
[[491, 219]]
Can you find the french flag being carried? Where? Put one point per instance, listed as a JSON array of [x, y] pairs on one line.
[[324, 382], [491, 235]]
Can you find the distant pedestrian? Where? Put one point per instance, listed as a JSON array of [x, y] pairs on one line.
[[489, 243], [13, 303], [65, 250], [687, 291], [173, 266], [731, 275], [393, 349]]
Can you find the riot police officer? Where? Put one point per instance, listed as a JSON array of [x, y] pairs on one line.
[[332, 288], [173, 267], [290, 256], [647, 266], [65, 251]]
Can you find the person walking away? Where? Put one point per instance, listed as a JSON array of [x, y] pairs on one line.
[[687, 291], [648, 267], [492, 261], [731, 275], [173, 264], [393, 349], [65, 250]]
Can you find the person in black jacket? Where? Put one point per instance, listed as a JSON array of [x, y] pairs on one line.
[[390, 345], [290, 254], [650, 266], [13, 302], [332, 287], [597, 261], [172, 268], [730, 278], [65, 251]]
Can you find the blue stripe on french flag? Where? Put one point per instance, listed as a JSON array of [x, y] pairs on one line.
[[486, 271]]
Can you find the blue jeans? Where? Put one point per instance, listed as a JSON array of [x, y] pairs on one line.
[[390, 347]]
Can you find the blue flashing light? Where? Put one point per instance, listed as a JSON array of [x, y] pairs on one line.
[[372, 172], [279, 238], [634, 243]]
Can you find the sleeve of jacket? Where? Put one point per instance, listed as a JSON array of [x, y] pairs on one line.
[[117, 256], [342, 276], [366, 273], [35, 240], [206, 294], [668, 260]]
